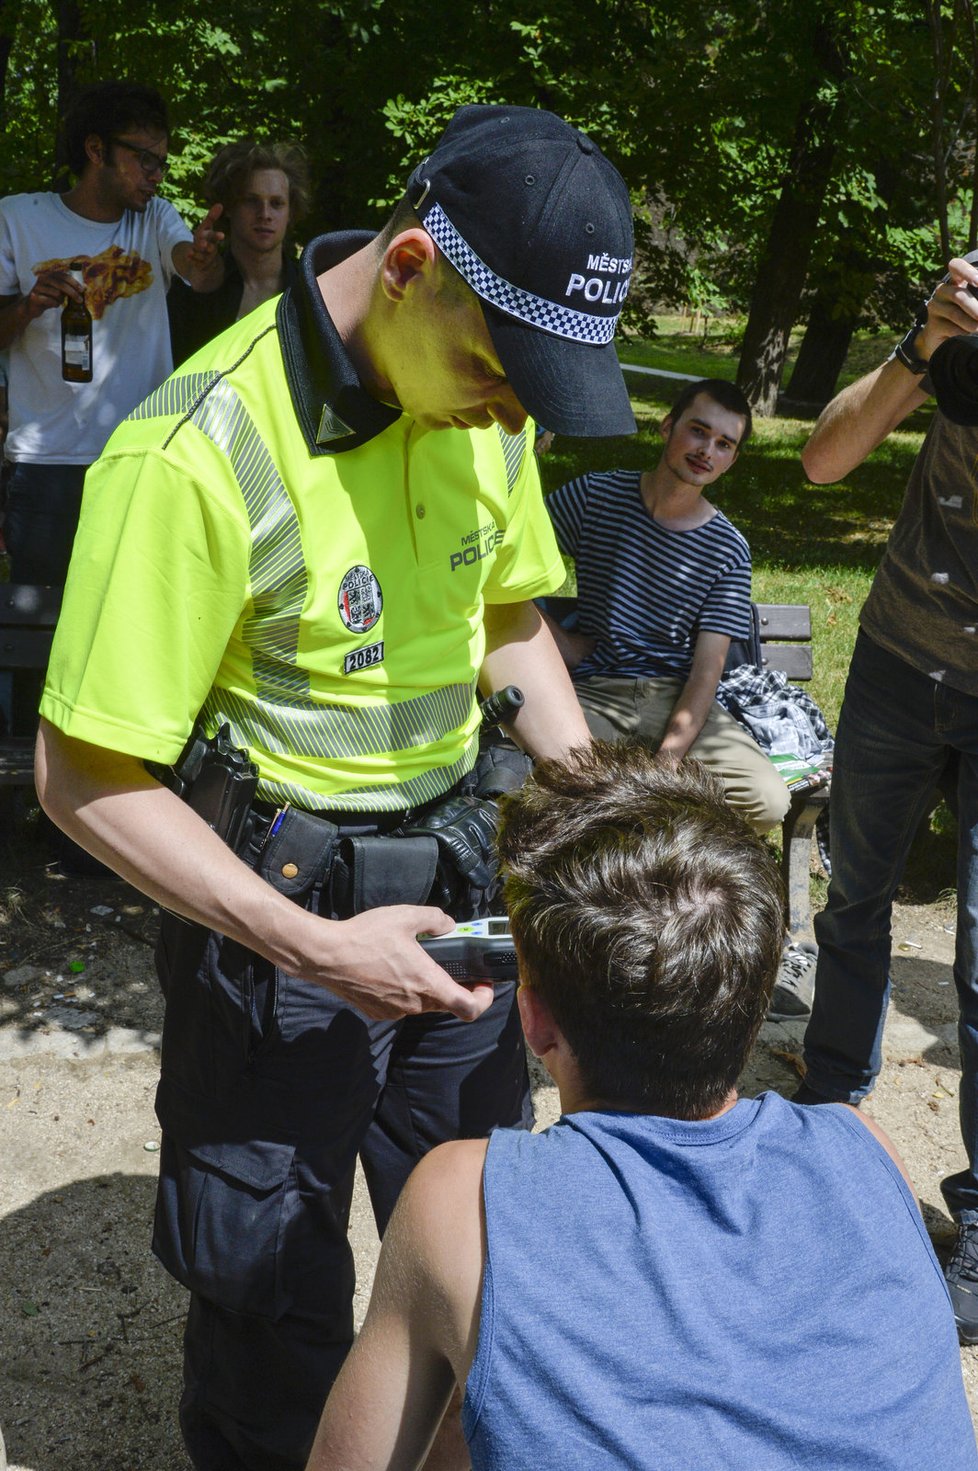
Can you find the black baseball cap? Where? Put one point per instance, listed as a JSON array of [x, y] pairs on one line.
[[533, 216]]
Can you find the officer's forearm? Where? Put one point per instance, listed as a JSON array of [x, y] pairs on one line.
[[110, 804], [520, 650]]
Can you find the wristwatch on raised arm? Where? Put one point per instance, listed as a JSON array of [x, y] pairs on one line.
[[905, 351]]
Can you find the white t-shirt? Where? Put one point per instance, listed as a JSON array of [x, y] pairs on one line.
[[127, 267]]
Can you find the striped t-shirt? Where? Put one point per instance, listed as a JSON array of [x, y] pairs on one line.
[[646, 592]]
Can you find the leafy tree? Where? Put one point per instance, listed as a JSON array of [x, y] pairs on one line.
[[783, 265], [786, 156], [906, 162]]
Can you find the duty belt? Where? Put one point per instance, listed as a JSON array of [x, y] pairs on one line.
[[442, 853], [355, 866]]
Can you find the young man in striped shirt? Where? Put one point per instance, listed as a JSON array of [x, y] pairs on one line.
[[663, 587]]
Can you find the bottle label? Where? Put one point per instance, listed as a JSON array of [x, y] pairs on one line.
[[78, 351]]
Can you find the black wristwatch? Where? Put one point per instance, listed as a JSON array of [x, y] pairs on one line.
[[904, 351]]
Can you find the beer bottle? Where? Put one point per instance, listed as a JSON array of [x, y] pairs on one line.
[[76, 334]]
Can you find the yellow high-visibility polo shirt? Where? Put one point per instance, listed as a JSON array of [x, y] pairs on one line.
[[235, 558]]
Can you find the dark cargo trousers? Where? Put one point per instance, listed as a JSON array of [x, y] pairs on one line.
[[270, 1090]]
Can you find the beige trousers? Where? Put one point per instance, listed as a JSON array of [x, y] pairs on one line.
[[642, 707]]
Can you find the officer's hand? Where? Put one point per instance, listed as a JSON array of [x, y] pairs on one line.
[[952, 309], [376, 964], [49, 290]]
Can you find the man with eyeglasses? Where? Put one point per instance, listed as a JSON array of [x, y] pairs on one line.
[[129, 244]]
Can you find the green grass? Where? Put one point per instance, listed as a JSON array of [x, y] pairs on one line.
[[678, 352], [714, 352]]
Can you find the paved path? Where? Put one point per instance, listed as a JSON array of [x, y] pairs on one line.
[[90, 1325], [661, 373]]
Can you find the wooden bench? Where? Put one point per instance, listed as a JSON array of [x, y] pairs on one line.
[[783, 637], [28, 614], [785, 632]]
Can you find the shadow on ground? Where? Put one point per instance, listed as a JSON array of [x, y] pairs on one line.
[[90, 1332]]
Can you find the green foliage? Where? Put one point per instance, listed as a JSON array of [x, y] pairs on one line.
[[247, 69], [698, 105], [30, 106], [416, 124]]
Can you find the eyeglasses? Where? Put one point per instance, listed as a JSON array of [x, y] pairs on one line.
[[149, 162]]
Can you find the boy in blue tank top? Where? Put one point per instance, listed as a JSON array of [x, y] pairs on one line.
[[668, 1277]]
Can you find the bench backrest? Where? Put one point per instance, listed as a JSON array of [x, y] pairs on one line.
[[28, 614], [785, 631], [782, 632]]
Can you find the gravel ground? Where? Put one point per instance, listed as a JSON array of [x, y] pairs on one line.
[[90, 1325]]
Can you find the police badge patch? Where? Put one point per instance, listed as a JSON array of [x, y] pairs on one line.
[[360, 600]]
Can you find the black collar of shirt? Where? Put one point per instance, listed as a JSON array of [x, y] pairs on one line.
[[234, 278], [333, 409]]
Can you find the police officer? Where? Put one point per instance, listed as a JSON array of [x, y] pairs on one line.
[[323, 533]]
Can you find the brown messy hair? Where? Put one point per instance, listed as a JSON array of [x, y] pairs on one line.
[[107, 108], [649, 916], [232, 166]]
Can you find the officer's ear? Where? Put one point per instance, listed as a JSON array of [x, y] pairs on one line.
[[665, 428], [411, 257]]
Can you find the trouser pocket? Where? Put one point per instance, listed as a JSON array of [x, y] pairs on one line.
[[222, 1213]]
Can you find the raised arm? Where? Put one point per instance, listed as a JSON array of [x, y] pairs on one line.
[[520, 650], [110, 804], [862, 415]]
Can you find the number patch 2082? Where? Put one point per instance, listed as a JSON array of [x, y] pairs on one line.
[[363, 658]]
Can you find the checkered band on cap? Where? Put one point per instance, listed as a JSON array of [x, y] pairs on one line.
[[535, 311]]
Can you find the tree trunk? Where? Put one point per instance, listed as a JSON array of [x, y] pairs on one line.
[[823, 350], [784, 263], [71, 35], [942, 48], [7, 22]]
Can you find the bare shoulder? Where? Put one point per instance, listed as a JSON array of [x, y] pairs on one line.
[[435, 1246], [438, 1222], [883, 1139], [445, 1187]]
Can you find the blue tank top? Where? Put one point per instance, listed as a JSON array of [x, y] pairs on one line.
[[752, 1293]]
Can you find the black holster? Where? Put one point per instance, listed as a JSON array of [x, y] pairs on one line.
[[351, 873]]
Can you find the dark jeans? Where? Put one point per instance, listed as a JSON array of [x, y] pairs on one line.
[[43, 503], [271, 1088], [42, 507], [898, 731]]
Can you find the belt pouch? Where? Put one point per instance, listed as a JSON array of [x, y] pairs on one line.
[[387, 870], [299, 855]]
